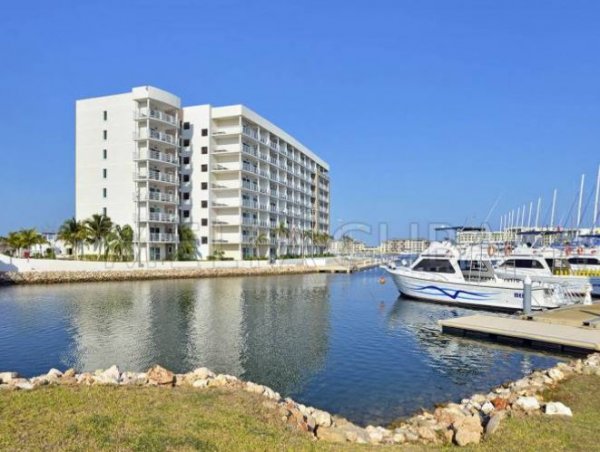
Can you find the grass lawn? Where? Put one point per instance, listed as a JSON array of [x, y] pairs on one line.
[[130, 418]]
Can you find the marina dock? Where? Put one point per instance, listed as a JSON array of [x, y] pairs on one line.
[[573, 329], [348, 267]]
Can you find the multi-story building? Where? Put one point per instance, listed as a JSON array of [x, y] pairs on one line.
[[400, 246], [244, 186]]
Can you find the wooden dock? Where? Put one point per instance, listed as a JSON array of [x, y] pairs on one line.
[[347, 267], [570, 330]]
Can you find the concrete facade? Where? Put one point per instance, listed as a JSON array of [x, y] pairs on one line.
[[230, 175]]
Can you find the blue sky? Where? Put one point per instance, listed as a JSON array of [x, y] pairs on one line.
[[427, 111]]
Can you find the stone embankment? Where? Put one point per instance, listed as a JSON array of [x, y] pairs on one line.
[[462, 423], [56, 277]]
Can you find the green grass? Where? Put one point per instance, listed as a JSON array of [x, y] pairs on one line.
[[155, 419], [100, 417]]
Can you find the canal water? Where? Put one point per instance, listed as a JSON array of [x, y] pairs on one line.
[[343, 343]]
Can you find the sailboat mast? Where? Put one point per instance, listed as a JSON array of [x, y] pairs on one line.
[[537, 213], [553, 209], [596, 200], [580, 201]]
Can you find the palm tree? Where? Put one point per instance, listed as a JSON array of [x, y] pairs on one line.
[[14, 240], [73, 233], [281, 231], [261, 239], [187, 243], [31, 237], [307, 237], [98, 227], [120, 242]]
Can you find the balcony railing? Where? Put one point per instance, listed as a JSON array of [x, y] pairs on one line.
[[250, 204], [248, 186], [157, 176], [162, 238], [156, 155], [162, 197], [250, 168]]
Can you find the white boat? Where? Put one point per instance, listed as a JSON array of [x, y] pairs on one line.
[[440, 275], [525, 262]]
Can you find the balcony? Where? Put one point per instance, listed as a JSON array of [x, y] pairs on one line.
[[159, 217], [251, 187], [250, 150], [159, 197], [158, 115], [250, 168], [246, 130], [157, 176], [250, 204], [156, 156], [249, 222], [162, 238]]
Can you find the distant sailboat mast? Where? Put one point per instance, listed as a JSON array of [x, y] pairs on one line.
[[596, 201], [553, 209], [580, 201], [537, 213]]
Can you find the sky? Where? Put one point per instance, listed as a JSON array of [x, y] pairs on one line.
[[427, 111]]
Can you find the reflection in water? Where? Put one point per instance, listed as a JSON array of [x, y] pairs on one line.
[[341, 342]]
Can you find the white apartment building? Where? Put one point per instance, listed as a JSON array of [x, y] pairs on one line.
[[232, 176]]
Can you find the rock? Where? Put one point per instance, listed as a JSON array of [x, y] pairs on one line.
[[557, 409], [487, 408], [6, 377], [54, 373], [269, 393], [556, 374], [254, 388], [69, 373], [399, 438], [24, 385], [133, 378], [478, 398], [311, 423], [528, 403], [200, 383], [427, 433], [468, 430], [159, 376], [500, 403], [449, 414], [375, 435], [108, 377], [494, 423], [322, 418], [85, 378], [331, 434], [203, 373]]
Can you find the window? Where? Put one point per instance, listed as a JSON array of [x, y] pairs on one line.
[[104, 211], [186, 142], [204, 204], [104, 173], [186, 160], [204, 222], [204, 185], [204, 149], [105, 134], [186, 214], [204, 240], [204, 168], [186, 177], [204, 132], [104, 192], [186, 125], [186, 196], [104, 154], [105, 115], [434, 266], [522, 263]]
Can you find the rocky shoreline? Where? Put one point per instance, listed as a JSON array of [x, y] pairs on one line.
[[462, 423], [59, 277]]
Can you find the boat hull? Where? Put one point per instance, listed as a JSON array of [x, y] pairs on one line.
[[470, 294]]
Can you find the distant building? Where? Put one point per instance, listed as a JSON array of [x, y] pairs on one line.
[[53, 246], [403, 246]]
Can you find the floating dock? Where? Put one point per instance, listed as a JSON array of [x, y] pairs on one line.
[[573, 329], [347, 268]]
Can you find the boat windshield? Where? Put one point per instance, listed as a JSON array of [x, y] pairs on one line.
[[584, 261], [435, 266], [522, 263], [474, 270]]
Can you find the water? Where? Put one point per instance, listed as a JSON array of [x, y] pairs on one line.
[[344, 343]]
